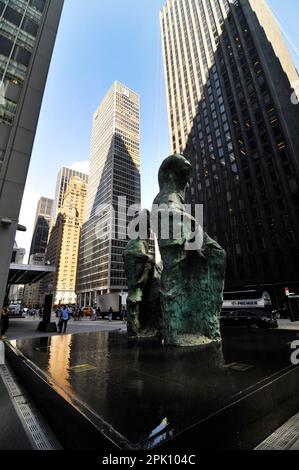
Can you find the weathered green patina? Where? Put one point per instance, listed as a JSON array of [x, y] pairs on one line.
[[192, 278], [143, 303]]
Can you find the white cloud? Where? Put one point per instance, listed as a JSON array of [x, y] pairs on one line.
[[27, 218], [83, 167]]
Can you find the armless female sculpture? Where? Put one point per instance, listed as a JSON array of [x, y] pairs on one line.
[[192, 279]]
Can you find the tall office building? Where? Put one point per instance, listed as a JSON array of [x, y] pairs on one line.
[[63, 178], [41, 226], [63, 247], [114, 172], [229, 82], [27, 36]]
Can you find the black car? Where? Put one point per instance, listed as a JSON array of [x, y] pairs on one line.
[[249, 319]]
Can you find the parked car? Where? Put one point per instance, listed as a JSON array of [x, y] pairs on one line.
[[248, 318], [15, 311]]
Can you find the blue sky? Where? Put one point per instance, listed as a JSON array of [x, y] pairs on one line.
[[106, 41]]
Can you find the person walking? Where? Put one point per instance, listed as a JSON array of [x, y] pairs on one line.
[[110, 314], [94, 314], [124, 315], [5, 322], [64, 318]]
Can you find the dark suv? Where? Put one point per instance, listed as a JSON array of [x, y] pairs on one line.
[[249, 319]]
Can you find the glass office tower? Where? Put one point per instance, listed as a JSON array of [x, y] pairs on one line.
[[41, 226], [114, 173], [229, 84]]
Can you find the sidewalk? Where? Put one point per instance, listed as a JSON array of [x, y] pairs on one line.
[[20, 328], [12, 433], [288, 325], [284, 438]]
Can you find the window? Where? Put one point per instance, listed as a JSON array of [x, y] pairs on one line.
[[5, 46], [12, 16]]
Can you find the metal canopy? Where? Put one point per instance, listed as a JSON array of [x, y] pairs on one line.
[[28, 273]]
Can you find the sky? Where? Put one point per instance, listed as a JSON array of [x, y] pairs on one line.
[[108, 40]]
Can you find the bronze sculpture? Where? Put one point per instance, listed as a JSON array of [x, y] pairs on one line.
[[192, 279], [143, 277]]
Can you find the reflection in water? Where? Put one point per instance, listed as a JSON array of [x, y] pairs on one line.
[[135, 387], [157, 436], [59, 360], [160, 428]]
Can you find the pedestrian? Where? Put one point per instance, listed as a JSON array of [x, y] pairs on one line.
[[110, 314], [64, 318], [124, 315], [94, 314], [5, 322]]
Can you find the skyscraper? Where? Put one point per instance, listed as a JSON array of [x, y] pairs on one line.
[[63, 247], [63, 178], [27, 35], [41, 226], [229, 82], [114, 172]]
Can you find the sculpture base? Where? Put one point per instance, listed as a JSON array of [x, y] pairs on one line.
[[191, 340], [153, 338], [50, 327], [99, 391]]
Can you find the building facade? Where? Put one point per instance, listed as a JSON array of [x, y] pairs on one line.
[[63, 179], [16, 292], [63, 247], [229, 84], [27, 36], [114, 174], [41, 226], [33, 293]]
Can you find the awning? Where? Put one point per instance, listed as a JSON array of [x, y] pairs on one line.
[[28, 273]]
